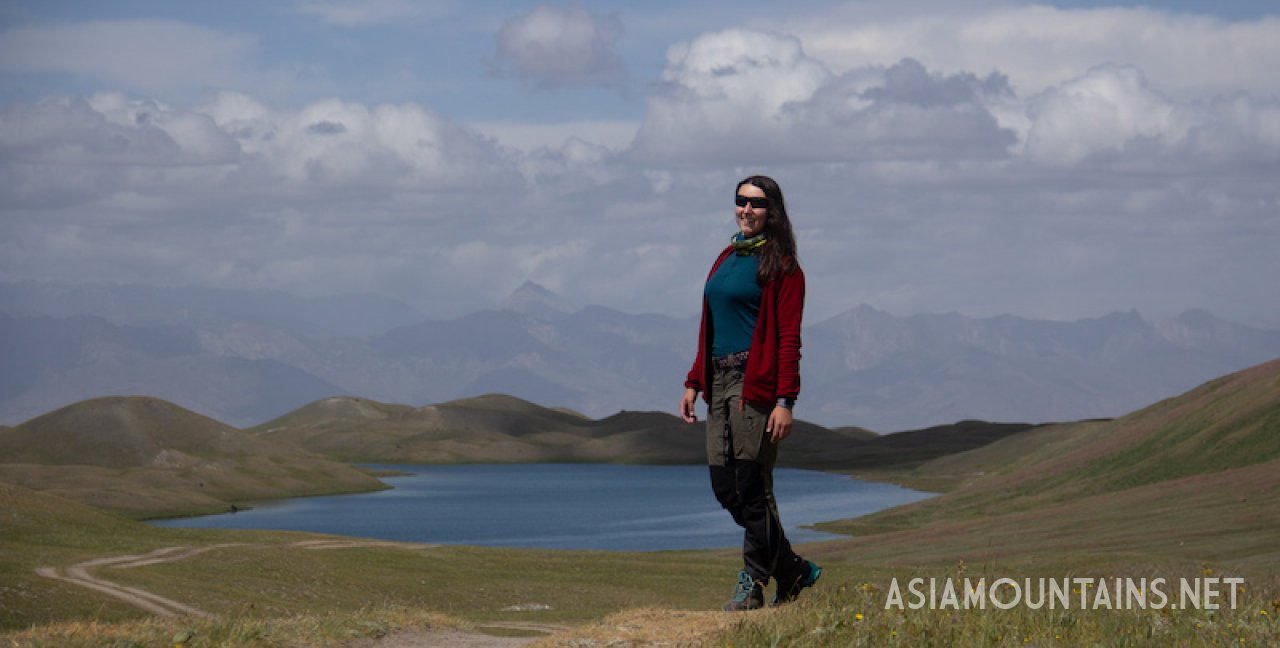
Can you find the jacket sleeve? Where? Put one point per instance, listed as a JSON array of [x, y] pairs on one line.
[[697, 373], [790, 314]]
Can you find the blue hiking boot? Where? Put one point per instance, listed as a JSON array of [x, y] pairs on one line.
[[807, 578], [747, 595]]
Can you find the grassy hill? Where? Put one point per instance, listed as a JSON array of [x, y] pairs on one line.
[[147, 457], [492, 428], [31, 513], [503, 429], [867, 451], [1195, 475]]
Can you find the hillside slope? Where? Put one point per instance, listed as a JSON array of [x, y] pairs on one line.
[[496, 428], [146, 456], [1198, 474]]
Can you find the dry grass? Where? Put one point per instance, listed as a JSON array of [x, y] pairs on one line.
[[852, 612], [241, 630], [648, 626]]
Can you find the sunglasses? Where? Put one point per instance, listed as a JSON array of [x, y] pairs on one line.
[[756, 203]]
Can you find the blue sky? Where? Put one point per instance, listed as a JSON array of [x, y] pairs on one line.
[[1055, 160]]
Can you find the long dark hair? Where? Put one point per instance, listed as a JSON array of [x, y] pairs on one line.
[[778, 257]]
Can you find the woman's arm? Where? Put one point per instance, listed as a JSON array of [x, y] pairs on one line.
[[790, 308]]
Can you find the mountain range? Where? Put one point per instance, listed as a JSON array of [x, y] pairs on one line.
[[247, 357]]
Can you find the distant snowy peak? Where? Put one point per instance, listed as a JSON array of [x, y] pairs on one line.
[[534, 300]]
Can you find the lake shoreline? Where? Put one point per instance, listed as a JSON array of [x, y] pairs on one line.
[[614, 507]]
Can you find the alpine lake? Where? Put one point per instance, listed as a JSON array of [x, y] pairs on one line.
[[560, 506]]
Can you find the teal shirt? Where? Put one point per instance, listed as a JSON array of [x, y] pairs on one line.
[[733, 297]]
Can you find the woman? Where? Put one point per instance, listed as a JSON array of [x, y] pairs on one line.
[[748, 370]]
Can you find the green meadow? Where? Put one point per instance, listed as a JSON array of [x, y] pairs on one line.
[[1183, 493]]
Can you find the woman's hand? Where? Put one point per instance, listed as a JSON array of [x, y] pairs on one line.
[[686, 405], [779, 425]]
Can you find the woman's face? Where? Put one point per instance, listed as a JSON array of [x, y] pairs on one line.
[[751, 219]]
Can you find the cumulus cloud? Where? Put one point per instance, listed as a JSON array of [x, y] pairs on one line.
[[236, 193], [1106, 110], [61, 152], [1039, 46], [1112, 116], [197, 138], [734, 96], [1237, 130], [67, 150], [910, 113], [742, 95], [729, 87], [554, 46], [70, 131], [576, 163], [326, 146]]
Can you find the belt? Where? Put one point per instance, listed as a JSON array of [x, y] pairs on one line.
[[731, 361]]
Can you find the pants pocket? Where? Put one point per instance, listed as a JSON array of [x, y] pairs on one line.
[[750, 441]]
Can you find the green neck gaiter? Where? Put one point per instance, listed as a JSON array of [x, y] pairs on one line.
[[747, 246]]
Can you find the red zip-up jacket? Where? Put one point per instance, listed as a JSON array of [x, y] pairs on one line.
[[773, 366]]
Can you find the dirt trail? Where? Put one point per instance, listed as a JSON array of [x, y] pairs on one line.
[[78, 574], [480, 637]]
